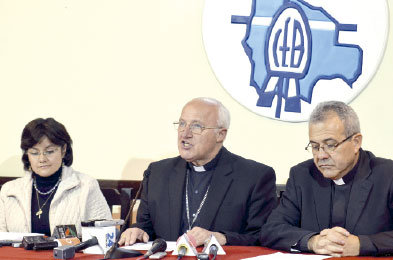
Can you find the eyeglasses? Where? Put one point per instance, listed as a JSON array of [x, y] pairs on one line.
[[327, 148], [195, 128], [47, 153]]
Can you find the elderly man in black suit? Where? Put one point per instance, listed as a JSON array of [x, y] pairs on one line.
[[341, 202], [206, 190]]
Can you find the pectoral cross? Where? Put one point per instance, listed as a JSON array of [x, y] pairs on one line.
[[39, 213]]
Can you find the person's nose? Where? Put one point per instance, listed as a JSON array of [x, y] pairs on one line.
[[187, 131], [42, 157], [322, 154]]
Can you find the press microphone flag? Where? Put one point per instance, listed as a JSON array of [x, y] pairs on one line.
[[66, 235], [106, 237], [188, 242], [213, 241]]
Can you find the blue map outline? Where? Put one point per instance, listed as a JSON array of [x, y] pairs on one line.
[[311, 13]]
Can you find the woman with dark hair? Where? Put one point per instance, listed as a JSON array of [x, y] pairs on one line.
[[51, 193]]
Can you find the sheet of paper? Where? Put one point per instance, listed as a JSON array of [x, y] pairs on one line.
[[14, 236], [170, 246], [280, 256]]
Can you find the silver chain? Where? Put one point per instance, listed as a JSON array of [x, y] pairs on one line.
[[49, 191], [188, 208]]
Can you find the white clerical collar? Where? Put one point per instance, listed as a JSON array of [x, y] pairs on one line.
[[199, 168], [339, 181]]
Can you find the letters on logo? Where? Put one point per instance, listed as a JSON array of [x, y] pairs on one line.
[[291, 45]]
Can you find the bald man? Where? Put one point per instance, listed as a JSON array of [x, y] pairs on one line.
[[206, 190]]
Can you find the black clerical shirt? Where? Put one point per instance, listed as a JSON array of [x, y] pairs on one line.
[[199, 179], [340, 197]]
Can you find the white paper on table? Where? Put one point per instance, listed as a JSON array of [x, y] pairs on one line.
[[16, 236], [280, 256], [170, 246]]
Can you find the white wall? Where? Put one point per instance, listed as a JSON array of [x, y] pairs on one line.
[[117, 73]]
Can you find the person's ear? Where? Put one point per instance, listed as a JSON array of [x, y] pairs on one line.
[[221, 135], [357, 141], [63, 150]]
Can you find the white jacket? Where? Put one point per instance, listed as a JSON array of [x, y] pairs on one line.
[[78, 198]]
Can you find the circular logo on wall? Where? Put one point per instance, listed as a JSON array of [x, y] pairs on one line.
[[280, 58]]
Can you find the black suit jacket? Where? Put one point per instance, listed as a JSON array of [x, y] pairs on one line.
[[241, 196], [306, 204]]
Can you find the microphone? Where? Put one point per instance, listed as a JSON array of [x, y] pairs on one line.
[[213, 249], [185, 245], [115, 252], [159, 245], [181, 251], [67, 252], [88, 243]]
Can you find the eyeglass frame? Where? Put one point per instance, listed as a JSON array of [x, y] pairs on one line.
[[46, 153], [203, 128], [334, 146]]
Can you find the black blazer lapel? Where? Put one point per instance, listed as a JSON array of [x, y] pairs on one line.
[[220, 183], [360, 191], [322, 198], [176, 191]]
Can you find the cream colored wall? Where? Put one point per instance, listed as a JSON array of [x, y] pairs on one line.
[[116, 74]]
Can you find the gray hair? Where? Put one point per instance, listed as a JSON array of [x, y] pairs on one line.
[[224, 118], [346, 114]]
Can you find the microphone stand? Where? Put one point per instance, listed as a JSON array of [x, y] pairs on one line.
[[116, 252]]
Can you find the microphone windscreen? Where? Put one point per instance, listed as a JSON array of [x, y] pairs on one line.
[[159, 245], [182, 250], [213, 249]]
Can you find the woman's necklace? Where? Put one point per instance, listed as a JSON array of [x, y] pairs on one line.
[[39, 212], [50, 192]]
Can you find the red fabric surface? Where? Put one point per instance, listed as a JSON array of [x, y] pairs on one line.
[[233, 253]]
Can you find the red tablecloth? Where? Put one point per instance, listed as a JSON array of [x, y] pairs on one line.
[[233, 253]]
